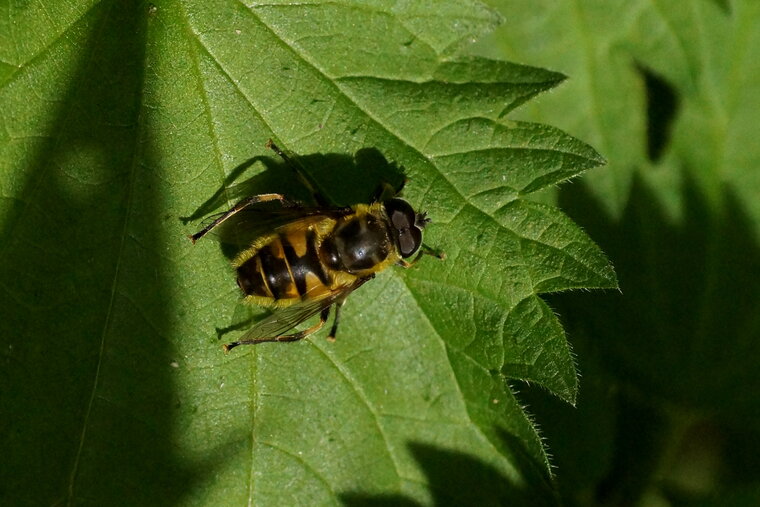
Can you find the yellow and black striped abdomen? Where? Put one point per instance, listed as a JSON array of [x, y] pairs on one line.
[[284, 269]]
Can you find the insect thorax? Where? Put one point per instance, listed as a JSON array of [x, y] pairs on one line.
[[357, 243]]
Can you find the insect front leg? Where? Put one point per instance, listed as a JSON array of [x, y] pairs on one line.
[[248, 201], [424, 250], [284, 338]]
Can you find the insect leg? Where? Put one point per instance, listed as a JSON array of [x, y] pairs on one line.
[[300, 173], [433, 252], [284, 338], [248, 201], [424, 250], [334, 329]]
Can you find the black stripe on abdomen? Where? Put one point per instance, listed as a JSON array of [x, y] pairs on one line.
[[250, 279], [275, 271], [308, 263]]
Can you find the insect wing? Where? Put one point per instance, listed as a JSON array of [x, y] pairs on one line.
[[287, 318], [242, 227], [245, 226]]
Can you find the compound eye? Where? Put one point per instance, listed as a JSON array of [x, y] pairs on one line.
[[403, 219], [400, 220], [409, 241], [400, 212]]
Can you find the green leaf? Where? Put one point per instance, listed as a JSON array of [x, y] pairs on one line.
[[683, 228], [668, 92], [122, 117]]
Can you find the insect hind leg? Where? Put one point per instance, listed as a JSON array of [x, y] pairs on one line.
[[284, 338]]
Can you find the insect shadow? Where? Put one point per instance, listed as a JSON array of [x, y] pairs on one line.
[[341, 179], [338, 180]]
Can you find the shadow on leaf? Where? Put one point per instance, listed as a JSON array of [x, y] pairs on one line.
[[685, 325], [682, 334], [341, 179], [455, 478], [87, 398]]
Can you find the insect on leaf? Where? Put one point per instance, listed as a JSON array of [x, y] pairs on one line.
[[120, 117]]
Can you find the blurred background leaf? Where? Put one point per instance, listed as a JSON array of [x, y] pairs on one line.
[[120, 117], [668, 93]]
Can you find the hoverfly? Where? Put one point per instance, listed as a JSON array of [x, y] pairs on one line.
[[302, 260]]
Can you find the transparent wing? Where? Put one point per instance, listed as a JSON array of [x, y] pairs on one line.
[[287, 318], [246, 226], [242, 227]]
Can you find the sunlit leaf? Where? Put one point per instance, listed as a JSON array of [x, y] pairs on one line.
[[121, 117]]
